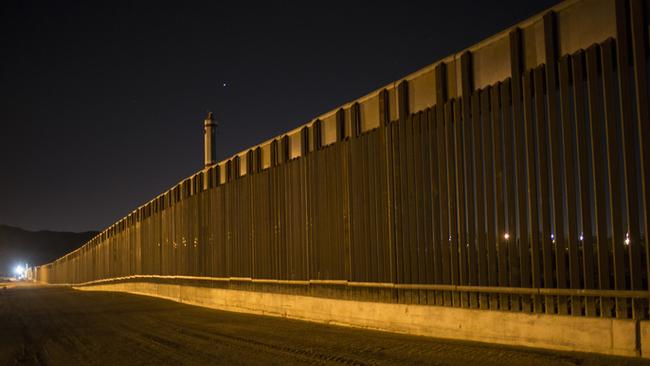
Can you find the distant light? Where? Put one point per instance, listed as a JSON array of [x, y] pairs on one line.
[[225, 85], [506, 236], [552, 236], [20, 270], [582, 237], [627, 239]]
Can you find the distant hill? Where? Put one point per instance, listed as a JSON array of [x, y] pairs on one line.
[[19, 246]]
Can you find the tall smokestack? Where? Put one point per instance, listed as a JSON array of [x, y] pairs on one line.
[[209, 136]]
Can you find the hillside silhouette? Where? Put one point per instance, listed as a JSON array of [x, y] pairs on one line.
[[19, 246]]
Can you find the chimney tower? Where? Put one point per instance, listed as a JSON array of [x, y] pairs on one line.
[[209, 136]]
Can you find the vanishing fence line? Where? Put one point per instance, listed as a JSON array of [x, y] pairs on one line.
[[529, 193]]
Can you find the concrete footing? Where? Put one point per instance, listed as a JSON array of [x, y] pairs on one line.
[[622, 337]]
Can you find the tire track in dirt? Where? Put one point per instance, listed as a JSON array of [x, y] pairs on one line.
[[308, 355]]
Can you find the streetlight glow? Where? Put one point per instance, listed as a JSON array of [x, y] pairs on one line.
[[20, 271]]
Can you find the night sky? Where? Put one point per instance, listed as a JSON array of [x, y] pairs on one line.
[[102, 103]]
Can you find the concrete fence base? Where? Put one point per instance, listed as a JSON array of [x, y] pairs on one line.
[[622, 337]]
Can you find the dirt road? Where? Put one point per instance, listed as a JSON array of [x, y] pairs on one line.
[[60, 326]]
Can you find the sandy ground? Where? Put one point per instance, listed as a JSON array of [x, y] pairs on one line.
[[42, 325]]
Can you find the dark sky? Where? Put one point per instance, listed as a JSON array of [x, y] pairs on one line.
[[101, 103]]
